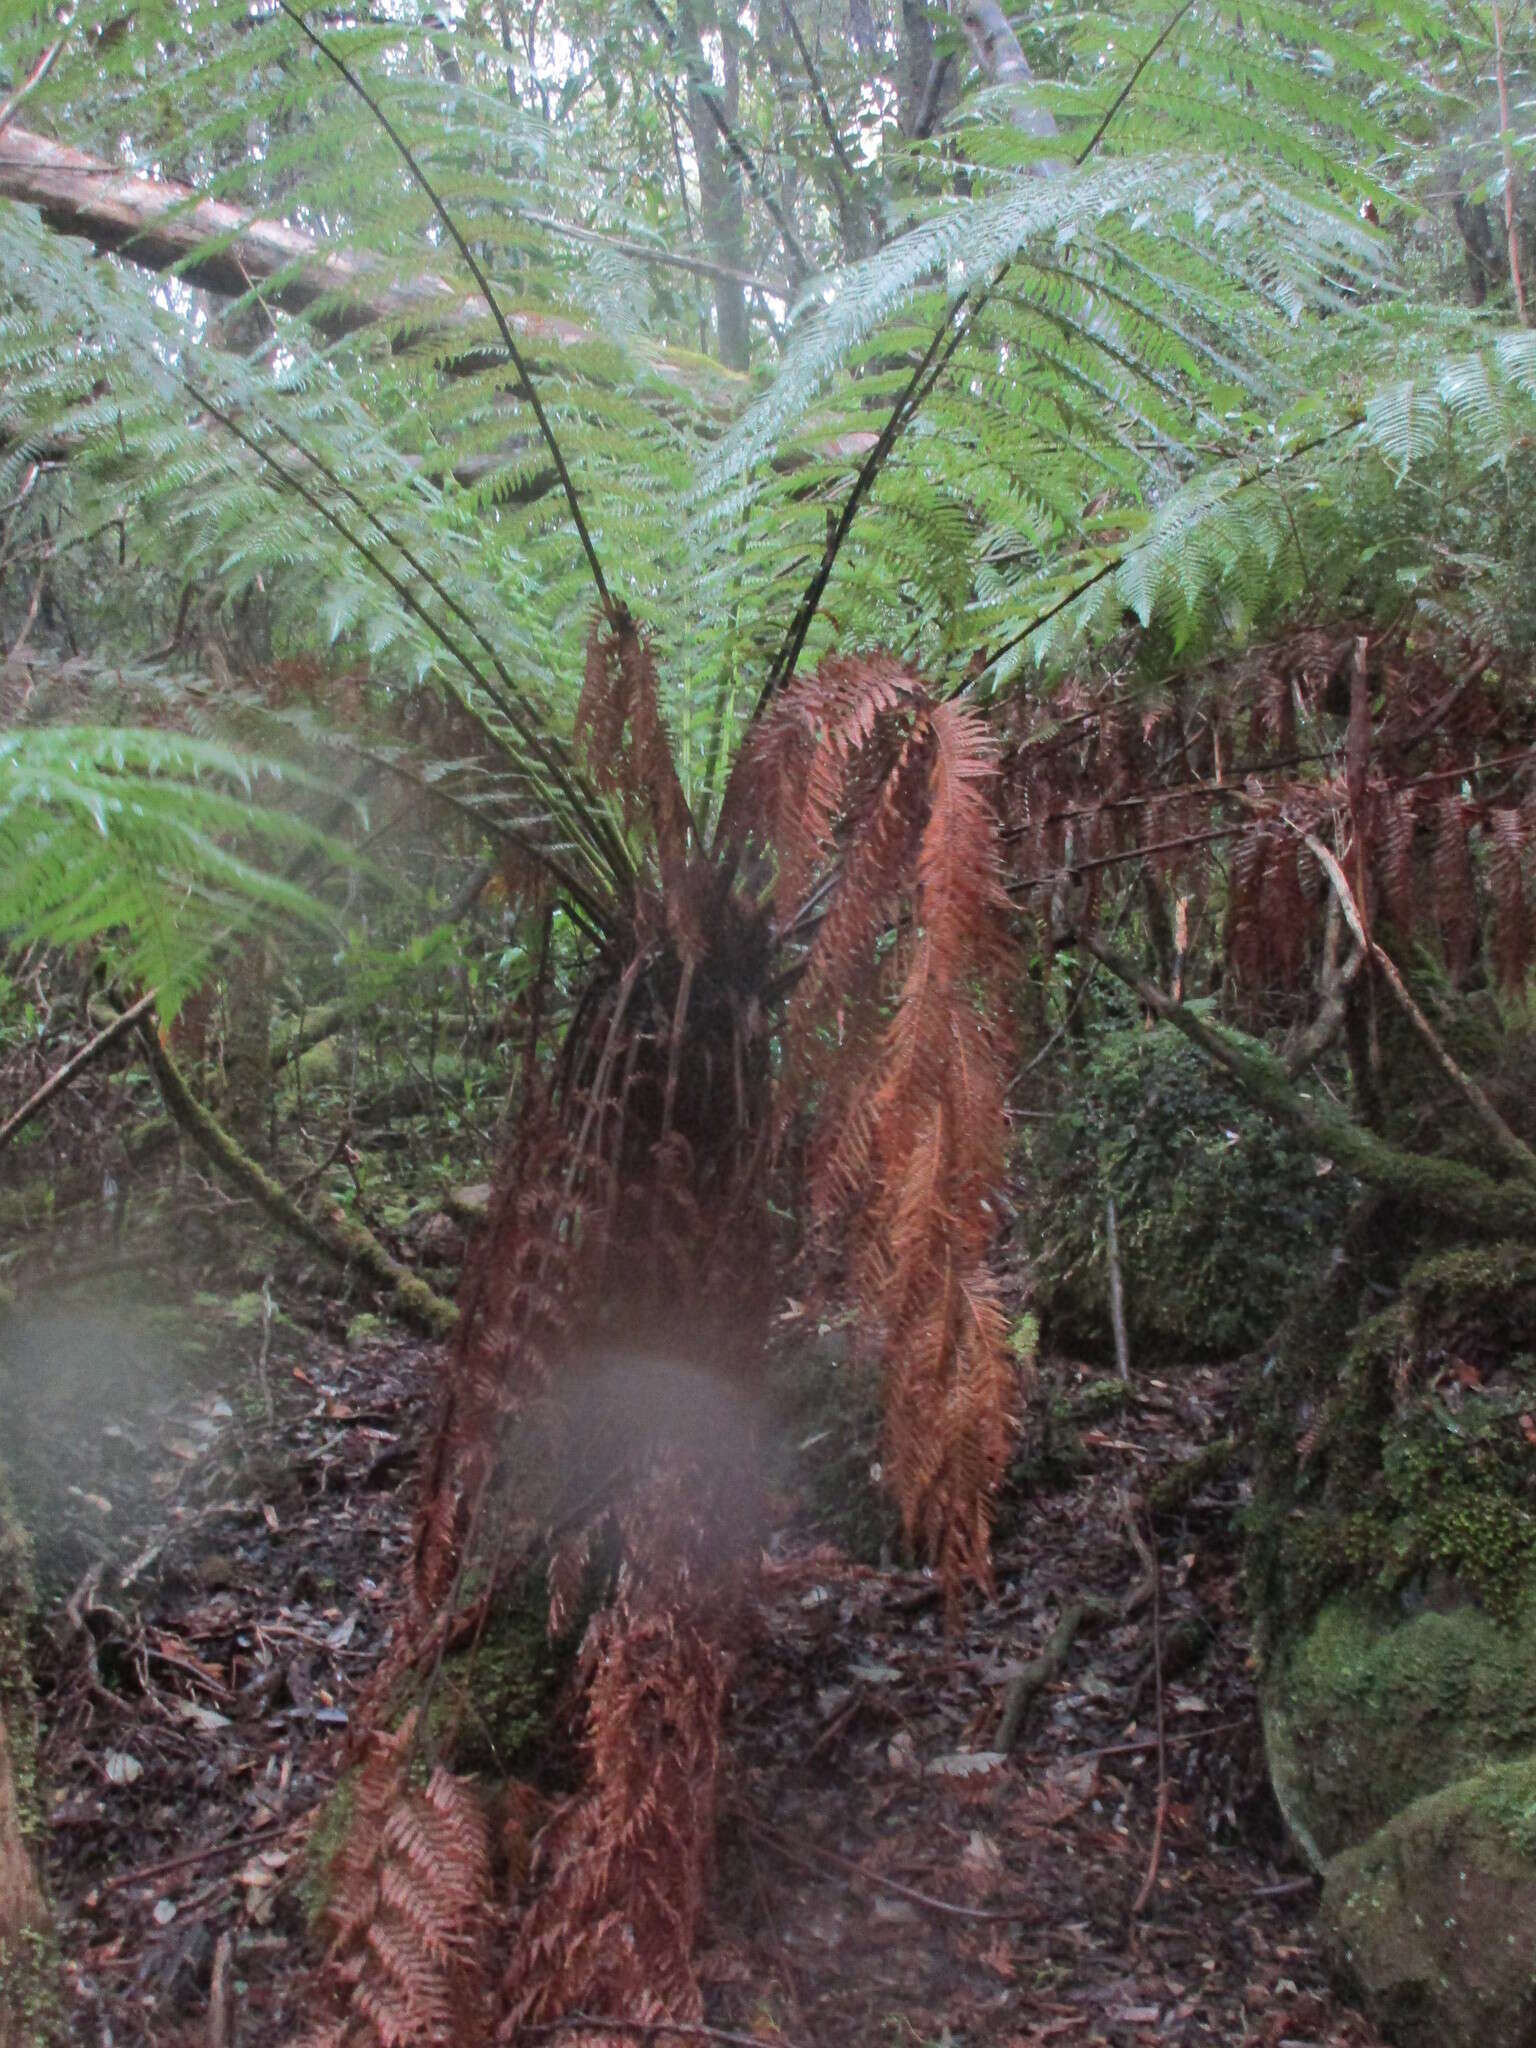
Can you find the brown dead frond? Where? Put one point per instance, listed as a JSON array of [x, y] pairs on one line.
[[628, 747], [625, 1862], [903, 1045], [409, 1912]]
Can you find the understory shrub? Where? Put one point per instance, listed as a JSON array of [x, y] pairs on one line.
[[1219, 1215]]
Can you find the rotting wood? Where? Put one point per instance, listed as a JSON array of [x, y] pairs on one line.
[[1038, 1673], [161, 224]]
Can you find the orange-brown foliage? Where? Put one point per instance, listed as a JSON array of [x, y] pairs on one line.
[[409, 1892], [907, 1051]]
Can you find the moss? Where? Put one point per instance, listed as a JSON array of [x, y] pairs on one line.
[[491, 1709], [31, 2010], [1097, 1399], [326, 1839], [1371, 1711], [1433, 1919], [1219, 1216], [1391, 1447], [829, 1409]]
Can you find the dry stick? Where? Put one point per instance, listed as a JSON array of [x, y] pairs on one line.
[[347, 1244], [1116, 1291], [1509, 169], [76, 1064], [1162, 1744], [237, 1845], [1517, 1154], [220, 2011], [455, 235], [811, 1855]]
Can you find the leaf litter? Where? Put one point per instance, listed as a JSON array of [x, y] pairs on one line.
[[885, 1873]]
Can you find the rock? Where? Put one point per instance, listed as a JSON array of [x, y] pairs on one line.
[[440, 1241], [1370, 1711], [1433, 1919], [469, 1205]]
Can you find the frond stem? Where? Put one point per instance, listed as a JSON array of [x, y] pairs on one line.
[[397, 584], [583, 800], [455, 235], [1129, 86]]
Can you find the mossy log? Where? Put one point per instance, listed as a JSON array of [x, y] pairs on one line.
[[1437, 1186], [335, 1237]]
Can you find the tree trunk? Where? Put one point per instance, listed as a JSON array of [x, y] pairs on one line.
[[722, 213], [248, 1047], [158, 224], [996, 49]]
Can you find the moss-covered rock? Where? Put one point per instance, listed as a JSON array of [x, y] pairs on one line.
[[1391, 1561], [1371, 1711], [1433, 1918]]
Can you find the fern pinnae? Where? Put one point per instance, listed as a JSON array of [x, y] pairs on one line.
[[451, 228], [402, 591]]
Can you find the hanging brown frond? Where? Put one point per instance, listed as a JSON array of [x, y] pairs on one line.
[[628, 747], [1394, 821], [1510, 930], [906, 1052]]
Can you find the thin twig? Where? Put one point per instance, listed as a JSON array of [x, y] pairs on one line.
[[1510, 228], [642, 252], [1162, 1744], [192, 1857], [455, 235], [124, 1021], [1514, 1149]]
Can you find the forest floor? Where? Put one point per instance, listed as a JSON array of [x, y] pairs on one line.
[[219, 1566]]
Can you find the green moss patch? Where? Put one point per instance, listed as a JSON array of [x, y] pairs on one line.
[[1433, 1919], [1370, 1712]]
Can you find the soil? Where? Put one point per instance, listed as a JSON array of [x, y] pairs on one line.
[[884, 1875]]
